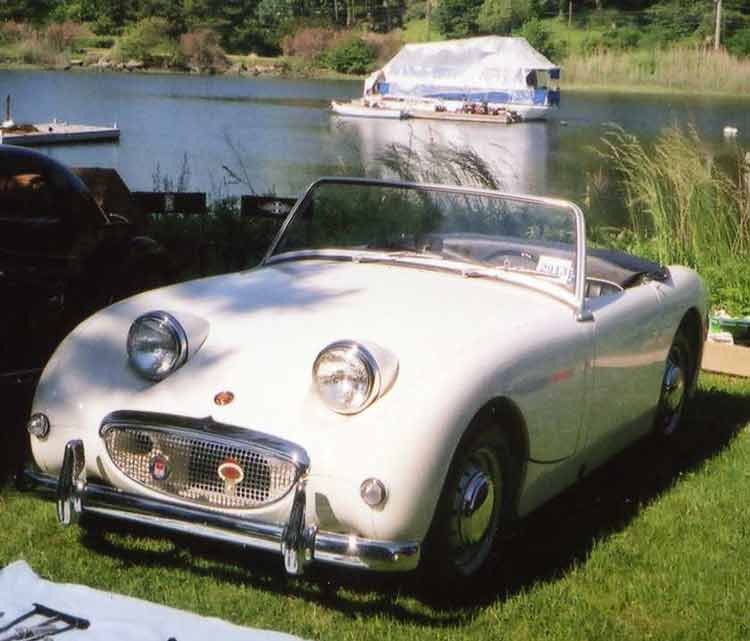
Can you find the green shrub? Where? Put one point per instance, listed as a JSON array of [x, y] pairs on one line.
[[622, 38], [739, 43], [146, 40], [655, 37], [93, 42], [457, 18], [539, 38], [353, 55], [502, 16], [679, 19], [605, 19], [416, 11], [591, 43], [105, 26]]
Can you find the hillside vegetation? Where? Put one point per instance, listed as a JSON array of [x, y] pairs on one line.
[[597, 42]]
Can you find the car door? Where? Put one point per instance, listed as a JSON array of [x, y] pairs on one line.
[[627, 371]]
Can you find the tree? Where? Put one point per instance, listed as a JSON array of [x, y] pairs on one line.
[[458, 18], [24, 10], [502, 16]]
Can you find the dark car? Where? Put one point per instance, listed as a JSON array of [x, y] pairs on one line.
[[61, 258]]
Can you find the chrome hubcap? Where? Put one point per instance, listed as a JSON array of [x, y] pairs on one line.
[[673, 394], [475, 510]]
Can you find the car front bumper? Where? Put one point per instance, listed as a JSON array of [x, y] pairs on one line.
[[299, 544]]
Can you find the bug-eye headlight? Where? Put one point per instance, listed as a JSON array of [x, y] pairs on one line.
[[348, 376], [157, 345]]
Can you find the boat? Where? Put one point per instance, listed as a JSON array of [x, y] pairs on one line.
[[362, 109], [486, 79]]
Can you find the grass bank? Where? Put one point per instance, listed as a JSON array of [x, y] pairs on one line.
[[650, 546], [677, 69]]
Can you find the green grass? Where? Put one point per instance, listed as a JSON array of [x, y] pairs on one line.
[[652, 546], [572, 36]]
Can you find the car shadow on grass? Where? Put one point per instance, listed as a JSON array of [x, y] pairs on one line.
[[601, 504]]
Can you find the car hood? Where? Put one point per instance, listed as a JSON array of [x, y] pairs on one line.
[[266, 327]]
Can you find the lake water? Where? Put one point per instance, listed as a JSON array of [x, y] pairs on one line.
[[278, 135]]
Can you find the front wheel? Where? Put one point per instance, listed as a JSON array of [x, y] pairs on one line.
[[472, 505], [679, 375]]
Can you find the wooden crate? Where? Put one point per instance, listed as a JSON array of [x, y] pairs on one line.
[[724, 358]]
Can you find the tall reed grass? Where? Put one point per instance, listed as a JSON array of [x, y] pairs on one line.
[[678, 68], [687, 208]]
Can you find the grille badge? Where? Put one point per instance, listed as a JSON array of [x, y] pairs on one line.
[[232, 474], [159, 467]]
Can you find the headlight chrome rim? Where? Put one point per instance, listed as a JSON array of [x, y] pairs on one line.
[[359, 351], [178, 333]]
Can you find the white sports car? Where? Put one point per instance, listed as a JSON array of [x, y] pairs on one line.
[[409, 368]]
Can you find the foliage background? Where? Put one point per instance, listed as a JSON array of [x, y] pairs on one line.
[[260, 26]]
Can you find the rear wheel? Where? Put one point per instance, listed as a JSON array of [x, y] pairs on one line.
[[679, 376], [471, 507]]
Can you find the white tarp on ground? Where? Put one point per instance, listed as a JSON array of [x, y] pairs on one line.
[[113, 616], [487, 63]]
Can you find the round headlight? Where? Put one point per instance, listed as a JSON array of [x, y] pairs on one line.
[[157, 345], [347, 377]]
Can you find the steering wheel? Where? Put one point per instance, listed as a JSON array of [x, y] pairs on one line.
[[513, 257]]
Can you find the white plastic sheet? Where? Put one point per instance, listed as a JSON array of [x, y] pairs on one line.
[[472, 64], [113, 616]]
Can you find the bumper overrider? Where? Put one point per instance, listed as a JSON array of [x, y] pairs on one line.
[[297, 542]]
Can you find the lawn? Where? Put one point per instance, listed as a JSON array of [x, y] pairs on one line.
[[650, 546]]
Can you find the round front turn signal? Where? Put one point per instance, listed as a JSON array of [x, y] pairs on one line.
[[224, 398], [373, 492], [38, 426]]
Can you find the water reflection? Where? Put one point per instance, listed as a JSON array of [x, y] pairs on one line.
[[517, 153]]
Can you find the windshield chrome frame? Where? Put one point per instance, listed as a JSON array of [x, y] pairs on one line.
[[577, 299]]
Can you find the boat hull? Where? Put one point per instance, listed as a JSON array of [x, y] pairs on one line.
[[353, 110], [452, 111]]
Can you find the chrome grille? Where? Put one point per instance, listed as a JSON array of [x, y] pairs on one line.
[[191, 466]]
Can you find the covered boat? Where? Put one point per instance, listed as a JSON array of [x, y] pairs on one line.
[[484, 76]]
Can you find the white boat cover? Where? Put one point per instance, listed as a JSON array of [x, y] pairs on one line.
[[112, 616], [468, 66]]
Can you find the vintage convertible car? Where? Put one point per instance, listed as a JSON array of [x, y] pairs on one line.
[[409, 368]]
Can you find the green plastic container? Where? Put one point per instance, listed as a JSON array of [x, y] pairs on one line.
[[739, 328]]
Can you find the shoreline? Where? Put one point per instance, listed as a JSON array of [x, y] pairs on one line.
[[279, 68]]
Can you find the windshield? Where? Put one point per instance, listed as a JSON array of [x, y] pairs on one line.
[[488, 230]]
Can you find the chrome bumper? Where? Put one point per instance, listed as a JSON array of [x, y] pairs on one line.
[[297, 543]]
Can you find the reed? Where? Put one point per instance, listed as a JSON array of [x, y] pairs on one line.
[[687, 208], [677, 68]]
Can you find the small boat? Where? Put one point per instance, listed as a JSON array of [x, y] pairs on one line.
[[488, 79], [357, 109]]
